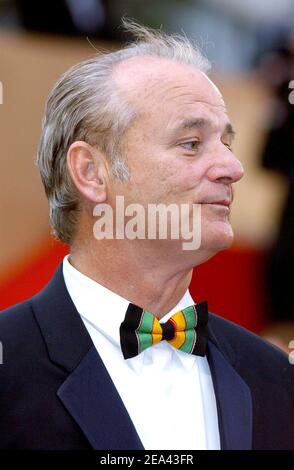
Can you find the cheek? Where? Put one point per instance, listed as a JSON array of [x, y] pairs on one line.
[[164, 175], [170, 181], [152, 175], [185, 181]]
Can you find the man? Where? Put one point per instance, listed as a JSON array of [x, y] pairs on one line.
[[143, 125]]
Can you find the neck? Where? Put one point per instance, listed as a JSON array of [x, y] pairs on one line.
[[148, 281]]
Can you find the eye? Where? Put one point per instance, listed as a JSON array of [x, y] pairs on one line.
[[191, 145]]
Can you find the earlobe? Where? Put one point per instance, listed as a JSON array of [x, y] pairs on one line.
[[87, 170]]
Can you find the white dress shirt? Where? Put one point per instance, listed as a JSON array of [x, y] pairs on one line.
[[168, 393]]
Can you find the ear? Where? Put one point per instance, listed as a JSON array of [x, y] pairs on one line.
[[88, 169]]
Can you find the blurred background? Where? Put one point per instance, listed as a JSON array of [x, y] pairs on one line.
[[251, 47]]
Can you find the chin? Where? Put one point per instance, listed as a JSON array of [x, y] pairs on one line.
[[213, 240], [217, 238]]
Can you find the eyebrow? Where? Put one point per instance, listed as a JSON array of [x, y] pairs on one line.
[[198, 123]]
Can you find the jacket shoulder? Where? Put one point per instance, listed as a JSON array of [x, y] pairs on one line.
[[251, 351], [14, 318], [20, 337]]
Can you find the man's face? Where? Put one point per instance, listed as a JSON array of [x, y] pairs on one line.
[[178, 150]]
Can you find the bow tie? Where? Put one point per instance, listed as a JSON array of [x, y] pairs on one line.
[[186, 330]]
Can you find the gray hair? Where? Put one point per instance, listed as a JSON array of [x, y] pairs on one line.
[[85, 104]]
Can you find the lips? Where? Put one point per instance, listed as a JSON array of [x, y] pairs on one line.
[[223, 202]]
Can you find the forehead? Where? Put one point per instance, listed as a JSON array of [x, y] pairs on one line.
[[168, 91]]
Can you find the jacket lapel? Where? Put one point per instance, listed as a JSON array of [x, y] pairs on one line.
[[88, 392], [233, 396], [92, 399]]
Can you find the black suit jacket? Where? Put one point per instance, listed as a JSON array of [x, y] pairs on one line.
[[55, 392]]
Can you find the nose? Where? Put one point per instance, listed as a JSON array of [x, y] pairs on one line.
[[225, 167]]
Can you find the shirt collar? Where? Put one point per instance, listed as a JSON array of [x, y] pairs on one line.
[[106, 310], [100, 306]]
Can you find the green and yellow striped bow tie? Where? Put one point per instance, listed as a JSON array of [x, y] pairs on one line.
[[186, 330]]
